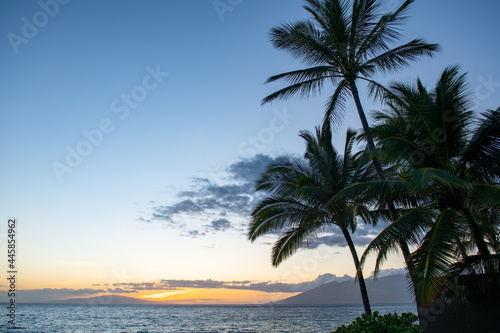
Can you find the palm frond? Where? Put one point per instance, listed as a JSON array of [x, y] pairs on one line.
[[485, 195], [435, 256], [483, 151], [281, 175], [303, 41], [335, 106], [427, 179], [407, 228], [291, 240], [308, 82], [383, 33], [401, 56], [275, 213]]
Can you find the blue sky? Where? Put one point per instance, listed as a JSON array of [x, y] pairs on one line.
[[183, 129]]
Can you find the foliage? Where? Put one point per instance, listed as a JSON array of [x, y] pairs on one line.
[[388, 323], [298, 194], [342, 42], [446, 164]]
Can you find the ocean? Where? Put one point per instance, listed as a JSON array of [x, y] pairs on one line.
[[63, 318]]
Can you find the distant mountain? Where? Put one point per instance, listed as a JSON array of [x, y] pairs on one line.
[[106, 300], [389, 289]]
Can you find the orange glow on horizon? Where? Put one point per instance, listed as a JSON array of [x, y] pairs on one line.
[[214, 296]]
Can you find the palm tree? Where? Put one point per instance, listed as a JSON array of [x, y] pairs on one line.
[[489, 222], [299, 203], [344, 46], [448, 177]]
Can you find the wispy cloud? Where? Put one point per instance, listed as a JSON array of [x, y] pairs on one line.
[[54, 294], [332, 236], [266, 286], [219, 224], [225, 205], [218, 203]]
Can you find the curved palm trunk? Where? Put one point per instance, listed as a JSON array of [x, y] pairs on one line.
[[380, 173], [366, 127], [361, 280], [475, 233]]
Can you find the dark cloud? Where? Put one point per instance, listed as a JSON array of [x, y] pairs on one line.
[[267, 286], [248, 170], [52, 294], [222, 203], [194, 233], [333, 236], [206, 197], [339, 240], [167, 212], [220, 225]]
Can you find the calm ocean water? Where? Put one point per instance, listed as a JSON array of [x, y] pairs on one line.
[[61, 318]]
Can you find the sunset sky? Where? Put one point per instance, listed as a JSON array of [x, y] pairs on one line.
[[131, 133]]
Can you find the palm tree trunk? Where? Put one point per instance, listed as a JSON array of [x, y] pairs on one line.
[[475, 232], [361, 280], [461, 248], [380, 173], [366, 128]]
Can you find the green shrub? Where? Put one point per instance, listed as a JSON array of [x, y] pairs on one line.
[[375, 323]]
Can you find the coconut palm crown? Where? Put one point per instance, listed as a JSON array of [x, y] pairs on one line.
[[343, 43], [447, 179], [298, 198]]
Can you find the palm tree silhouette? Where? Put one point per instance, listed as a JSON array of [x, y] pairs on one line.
[[344, 44], [299, 203]]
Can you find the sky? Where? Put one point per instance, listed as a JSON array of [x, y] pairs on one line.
[[131, 133]]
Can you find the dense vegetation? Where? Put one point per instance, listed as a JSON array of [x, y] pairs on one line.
[[431, 166], [388, 323]]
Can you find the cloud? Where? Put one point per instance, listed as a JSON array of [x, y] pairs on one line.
[[233, 197], [389, 272], [266, 286], [338, 240], [226, 205], [54, 294], [248, 170], [220, 225], [166, 213], [333, 236], [193, 234]]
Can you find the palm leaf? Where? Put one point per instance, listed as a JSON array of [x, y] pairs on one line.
[[483, 151], [434, 257], [427, 179], [407, 228]]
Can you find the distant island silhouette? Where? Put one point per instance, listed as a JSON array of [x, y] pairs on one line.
[[384, 290], [106, 300], [389, 289]]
